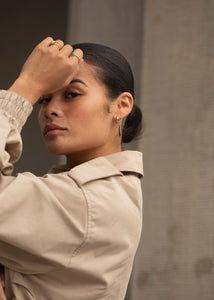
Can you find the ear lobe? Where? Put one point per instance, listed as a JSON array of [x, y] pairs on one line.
[[124, 104]]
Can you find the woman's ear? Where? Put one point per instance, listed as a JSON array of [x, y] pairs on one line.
[[124, 104]]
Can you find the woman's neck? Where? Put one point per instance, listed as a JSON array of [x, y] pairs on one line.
[[75, 159]]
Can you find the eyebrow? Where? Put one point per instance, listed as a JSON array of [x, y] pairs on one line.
[[78, 81]]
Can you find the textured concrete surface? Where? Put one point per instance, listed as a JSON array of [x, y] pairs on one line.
[[175, 259]]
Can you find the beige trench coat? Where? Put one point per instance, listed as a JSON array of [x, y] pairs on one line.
[[71, 234]]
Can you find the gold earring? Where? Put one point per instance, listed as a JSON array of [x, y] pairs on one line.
[[118, 120]]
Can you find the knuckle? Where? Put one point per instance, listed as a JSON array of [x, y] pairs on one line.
[[61, 58], [41, 48], [38, 48], [49, 38]]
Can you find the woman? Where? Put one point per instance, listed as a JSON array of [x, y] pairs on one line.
[[73, 233]]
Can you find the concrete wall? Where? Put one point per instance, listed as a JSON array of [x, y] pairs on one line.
[[176, 256]]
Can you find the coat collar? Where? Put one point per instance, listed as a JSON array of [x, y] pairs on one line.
[[115, 164]]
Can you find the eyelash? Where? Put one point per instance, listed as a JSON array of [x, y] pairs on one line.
[[45, 100], [73, 95]]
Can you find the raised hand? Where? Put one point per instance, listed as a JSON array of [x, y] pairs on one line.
[[50, 67]]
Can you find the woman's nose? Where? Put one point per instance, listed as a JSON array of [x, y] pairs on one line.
[[53, 109]]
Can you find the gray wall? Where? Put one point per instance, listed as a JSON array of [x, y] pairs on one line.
[[176, 256]]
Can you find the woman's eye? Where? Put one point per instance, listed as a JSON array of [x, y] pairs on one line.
[[44, 100], [72, 95]]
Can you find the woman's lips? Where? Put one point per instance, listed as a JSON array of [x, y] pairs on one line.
[[53, 129]]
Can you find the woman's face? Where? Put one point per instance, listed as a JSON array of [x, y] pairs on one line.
[[76, 121]]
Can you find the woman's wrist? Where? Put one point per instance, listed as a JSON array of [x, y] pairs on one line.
[[27, 89]]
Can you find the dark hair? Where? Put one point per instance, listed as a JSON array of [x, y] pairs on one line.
[[115, 73]]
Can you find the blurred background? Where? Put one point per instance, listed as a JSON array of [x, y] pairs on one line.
[[170, 47]]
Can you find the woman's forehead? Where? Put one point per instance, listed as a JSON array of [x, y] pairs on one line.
[[86, 69], [88, 73]]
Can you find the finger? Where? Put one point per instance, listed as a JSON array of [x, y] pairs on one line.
[[66, 50], [46, 42], [58, 43], [77, 55]]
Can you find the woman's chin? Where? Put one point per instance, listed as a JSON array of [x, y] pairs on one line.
[[56, 150]]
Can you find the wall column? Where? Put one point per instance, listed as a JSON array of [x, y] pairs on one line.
[[175, 260]]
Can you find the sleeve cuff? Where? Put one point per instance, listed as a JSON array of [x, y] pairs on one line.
[[16, 106]]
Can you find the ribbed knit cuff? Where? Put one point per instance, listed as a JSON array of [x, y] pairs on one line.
[[16, 106]]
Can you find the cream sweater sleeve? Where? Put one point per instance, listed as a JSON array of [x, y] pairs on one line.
[[14, 111]]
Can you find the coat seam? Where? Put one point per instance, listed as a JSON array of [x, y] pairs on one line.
[[89, 225]]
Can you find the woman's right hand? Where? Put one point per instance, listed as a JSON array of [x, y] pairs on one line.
[[47, 70]]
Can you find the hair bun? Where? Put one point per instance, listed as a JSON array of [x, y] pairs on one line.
[[133, 125]]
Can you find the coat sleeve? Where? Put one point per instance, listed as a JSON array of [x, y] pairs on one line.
[[14, 111], [40, 227]]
